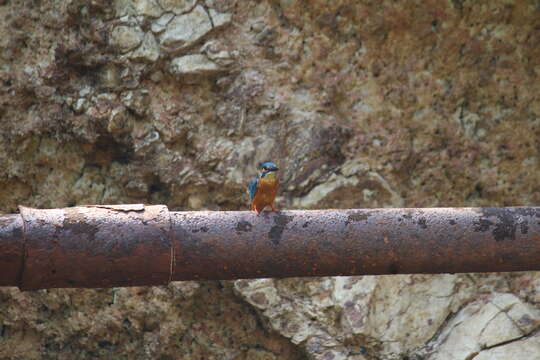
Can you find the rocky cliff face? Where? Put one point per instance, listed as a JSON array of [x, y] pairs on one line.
[[362, 104]]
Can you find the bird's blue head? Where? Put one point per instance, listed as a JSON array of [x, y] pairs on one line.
[[268, 168]]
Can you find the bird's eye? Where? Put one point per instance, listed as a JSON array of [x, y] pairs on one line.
[[265, 168]]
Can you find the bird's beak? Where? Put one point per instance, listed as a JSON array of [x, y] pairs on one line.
[[274, 169]]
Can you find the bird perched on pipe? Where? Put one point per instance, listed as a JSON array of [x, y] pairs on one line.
[[263, 189]]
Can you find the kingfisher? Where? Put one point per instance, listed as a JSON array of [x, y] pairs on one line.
[[263, 189]]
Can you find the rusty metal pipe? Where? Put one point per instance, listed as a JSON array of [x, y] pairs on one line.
[[11, 249], [127, 245]]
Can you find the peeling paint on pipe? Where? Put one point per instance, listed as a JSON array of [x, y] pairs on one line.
[[128, 245]]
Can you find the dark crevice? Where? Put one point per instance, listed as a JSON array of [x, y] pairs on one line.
[[526, 336], [107, 149]]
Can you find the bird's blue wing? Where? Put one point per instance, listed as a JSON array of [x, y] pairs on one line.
[[252, 189]]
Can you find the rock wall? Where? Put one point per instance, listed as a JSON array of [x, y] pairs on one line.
[[362, 104]]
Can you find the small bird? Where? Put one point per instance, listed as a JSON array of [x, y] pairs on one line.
[[263, 189]]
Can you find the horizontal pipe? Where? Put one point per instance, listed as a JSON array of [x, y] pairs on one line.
[[129, 245]]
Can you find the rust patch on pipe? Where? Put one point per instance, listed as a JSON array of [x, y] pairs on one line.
[[355, 216], [243, 225], [276, 231], [355, 242], [97, 246], [105, 246], [503, 222]]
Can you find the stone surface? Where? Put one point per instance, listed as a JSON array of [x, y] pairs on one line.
[[482, 325], [149, 8], [148, 51], [524, 349], [196, 64], [386, 315], [218, 53], [184, 30], [160, 24], [126, 37], [177, 6], [183, 320], [219, 19], [361, 103]]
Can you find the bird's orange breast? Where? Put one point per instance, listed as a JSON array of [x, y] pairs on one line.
[[266, 191]]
